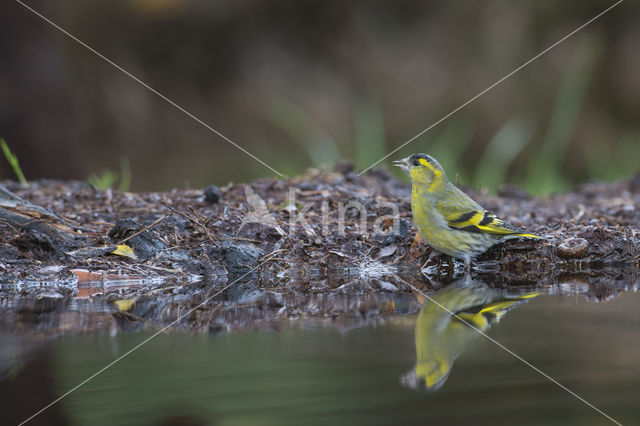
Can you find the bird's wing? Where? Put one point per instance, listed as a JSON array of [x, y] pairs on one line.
[[464, 214], [482, 221]]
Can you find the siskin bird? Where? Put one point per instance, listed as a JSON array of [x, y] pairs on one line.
[[447, 218]]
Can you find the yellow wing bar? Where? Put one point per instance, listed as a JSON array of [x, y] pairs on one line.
[[484, 222]]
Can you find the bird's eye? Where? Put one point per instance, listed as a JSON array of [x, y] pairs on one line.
[[416, 163]]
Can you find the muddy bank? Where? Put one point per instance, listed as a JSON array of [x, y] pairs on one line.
[[333, 234], [315, 221]]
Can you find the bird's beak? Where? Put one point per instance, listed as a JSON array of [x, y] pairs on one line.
[[404, 165]]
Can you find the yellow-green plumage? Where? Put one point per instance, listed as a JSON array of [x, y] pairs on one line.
[[447, 218]]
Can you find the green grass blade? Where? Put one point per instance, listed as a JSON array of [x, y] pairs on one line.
[[609, 164], [500, 153], [125, 175], [12, 159], [368, 126], [103, 181]]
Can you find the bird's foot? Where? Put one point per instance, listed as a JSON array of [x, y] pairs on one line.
[[431, 265]]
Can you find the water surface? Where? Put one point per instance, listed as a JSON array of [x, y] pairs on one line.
[[308, 374]]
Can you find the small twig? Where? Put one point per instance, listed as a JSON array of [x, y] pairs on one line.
[[146, 228], [197, 214], [242, 239], [10, 224], [269, 255], [160, 268], [174, 247], [141, 270], [275, 259]]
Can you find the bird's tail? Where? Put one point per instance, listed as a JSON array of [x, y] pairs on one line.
[[525, 235]]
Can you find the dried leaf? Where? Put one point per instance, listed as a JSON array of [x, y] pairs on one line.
[[386, 251], [124, 250]]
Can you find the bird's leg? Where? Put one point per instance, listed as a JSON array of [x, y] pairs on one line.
[[467, 265]]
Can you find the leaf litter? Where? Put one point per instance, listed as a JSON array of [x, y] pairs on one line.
[[68, 247]]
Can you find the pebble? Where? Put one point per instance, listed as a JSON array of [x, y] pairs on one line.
[[212, 194], [573, 248]]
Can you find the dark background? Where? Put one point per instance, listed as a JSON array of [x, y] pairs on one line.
[[304, 83]]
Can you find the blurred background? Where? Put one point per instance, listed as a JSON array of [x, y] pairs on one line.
[[304, 84]]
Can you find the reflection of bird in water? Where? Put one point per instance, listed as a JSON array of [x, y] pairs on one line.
[[441, 335]]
